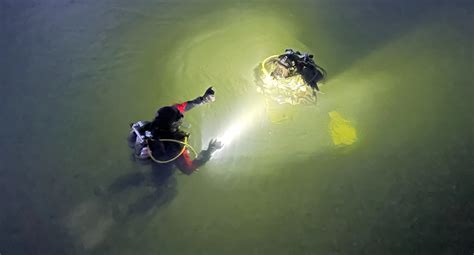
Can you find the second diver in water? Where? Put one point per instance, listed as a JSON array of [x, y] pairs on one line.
[[292, 63], [162, 141]]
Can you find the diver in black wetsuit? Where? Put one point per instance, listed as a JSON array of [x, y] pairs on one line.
[[294, 62], [145, 139], [166, 126]]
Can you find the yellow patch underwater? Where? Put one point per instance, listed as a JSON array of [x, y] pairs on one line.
[[342, 132]]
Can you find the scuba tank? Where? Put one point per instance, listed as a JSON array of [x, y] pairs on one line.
[[137, 139]]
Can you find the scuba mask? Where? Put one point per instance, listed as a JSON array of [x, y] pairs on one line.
[[176, 124]]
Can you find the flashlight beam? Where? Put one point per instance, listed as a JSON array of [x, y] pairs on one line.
[[240, 125]]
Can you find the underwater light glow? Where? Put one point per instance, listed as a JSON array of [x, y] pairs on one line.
[[241, 124], [231, 133]]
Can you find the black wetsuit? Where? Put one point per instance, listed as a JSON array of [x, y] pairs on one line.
[[304, 66], [168, 150]]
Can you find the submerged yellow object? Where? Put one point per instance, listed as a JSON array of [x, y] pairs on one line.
[[342, 132]]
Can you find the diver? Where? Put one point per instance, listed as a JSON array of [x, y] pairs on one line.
[[286, 64], [147, 137], [292, 63]]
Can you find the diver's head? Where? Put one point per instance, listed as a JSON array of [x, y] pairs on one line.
[[169, 118]]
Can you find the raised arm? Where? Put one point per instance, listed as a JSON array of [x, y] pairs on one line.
[[188, 105]]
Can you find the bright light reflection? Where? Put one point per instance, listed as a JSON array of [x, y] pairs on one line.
[[240, 125]]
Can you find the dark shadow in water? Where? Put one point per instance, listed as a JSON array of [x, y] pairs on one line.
[[413, 202], [29, 226], [161, 182], [355, 29], [164, 184]]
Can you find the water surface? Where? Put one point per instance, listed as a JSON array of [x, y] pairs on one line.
[[75, 74]]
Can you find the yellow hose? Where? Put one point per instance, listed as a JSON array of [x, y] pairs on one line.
[[263, 65], [185, 143]]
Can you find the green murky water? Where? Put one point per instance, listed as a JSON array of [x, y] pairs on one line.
[[75, 74]]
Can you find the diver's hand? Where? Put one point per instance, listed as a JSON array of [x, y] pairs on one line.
[[209, 95], [214, 145]]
